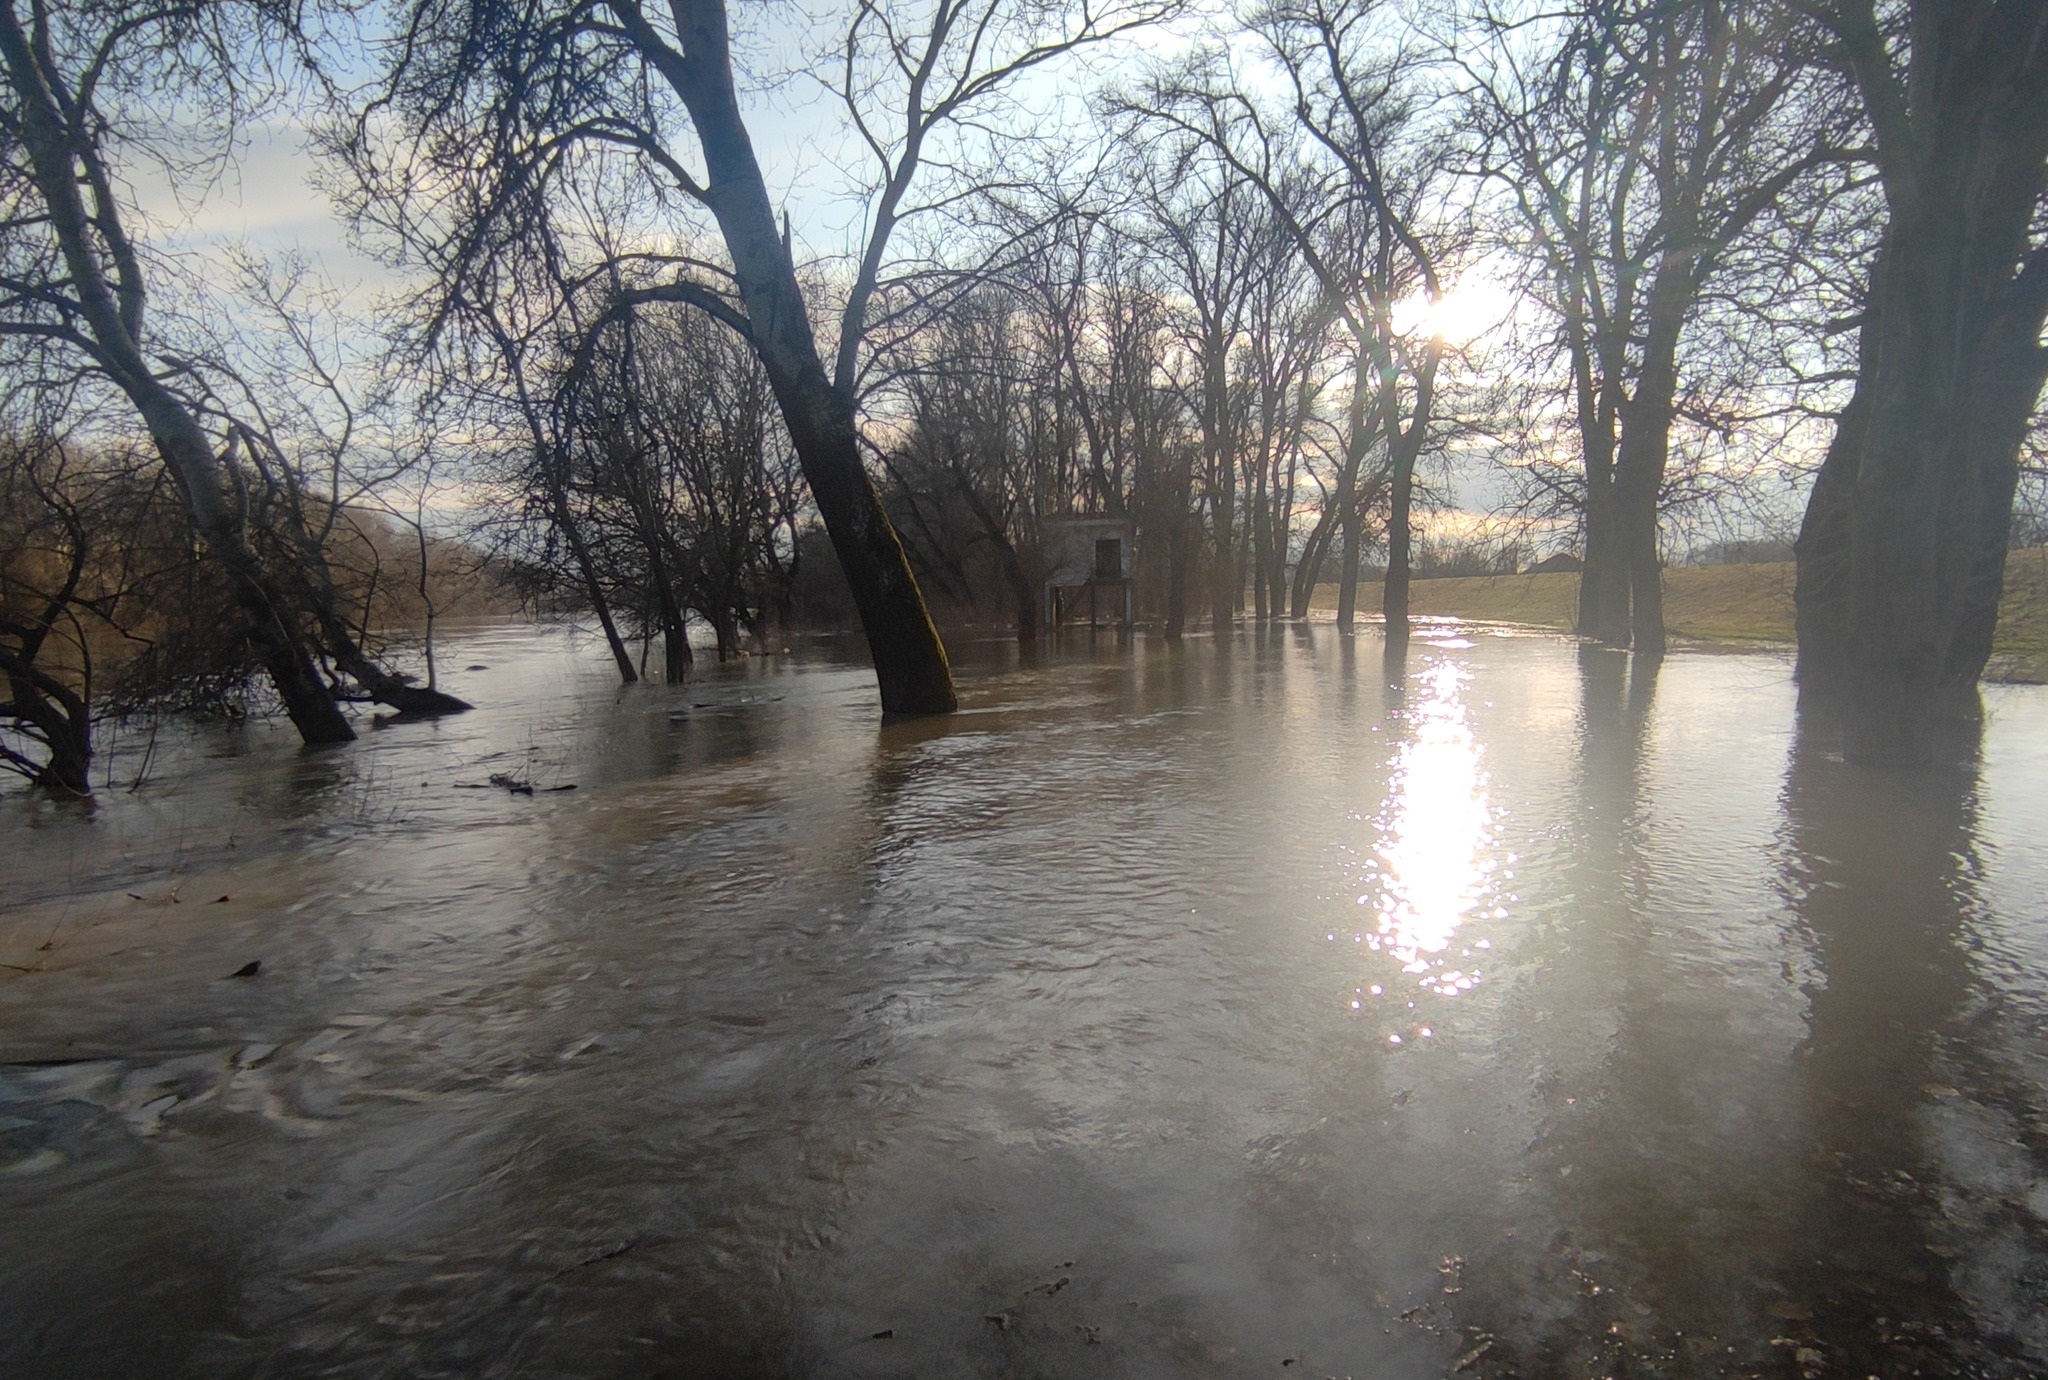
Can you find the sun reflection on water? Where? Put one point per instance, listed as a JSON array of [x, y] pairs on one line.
[[1434, 860]]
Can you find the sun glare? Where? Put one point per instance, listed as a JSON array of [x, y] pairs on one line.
[[1467, 310]]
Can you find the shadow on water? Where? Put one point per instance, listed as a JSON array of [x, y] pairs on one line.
[[1882, 870]]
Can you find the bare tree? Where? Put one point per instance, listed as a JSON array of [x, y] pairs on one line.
[[511, 103], [1636, 145], [1362, 236], [76, 288]]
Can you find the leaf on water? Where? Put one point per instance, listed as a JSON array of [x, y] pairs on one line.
[[1472, 1357]]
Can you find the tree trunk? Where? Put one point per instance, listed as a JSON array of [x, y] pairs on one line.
[[1902, 553], [593, 589], [1311, 567], [1646, 577], [677, 659], [1646, 444], [61, 718], [307, 698], [1604, 578], [1260, 534], [1347, 578], [1223, 578], [1404, 448], [54, 147], [1026, 594], [910, 661], [1820, 592], [1395, 605], [1177, 570], [726, 627]]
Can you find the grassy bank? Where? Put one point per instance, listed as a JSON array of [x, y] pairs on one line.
[[1712, 603]]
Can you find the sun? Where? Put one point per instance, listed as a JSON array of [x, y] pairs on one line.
[[1468, 309]]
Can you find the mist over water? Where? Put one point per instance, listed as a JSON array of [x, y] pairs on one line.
[[1272, 1006]]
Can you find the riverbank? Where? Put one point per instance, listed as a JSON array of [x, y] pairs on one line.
[[1743, 605]]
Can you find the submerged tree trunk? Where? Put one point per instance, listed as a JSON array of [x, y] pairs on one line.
[[1902, 552], [910, 661], [593, 588], [273, 631], [1311, 567], [1222, 483], [1347, 567], [1402, 502], [60, 716], [1404, 448], [1603, 579], [1177, 574], [1260, 534]]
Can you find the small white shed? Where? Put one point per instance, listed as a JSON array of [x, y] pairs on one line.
[[1088, 552]]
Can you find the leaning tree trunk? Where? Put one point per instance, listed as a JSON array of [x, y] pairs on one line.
[[273, 628], [54, 147], [586, 570], [910, 661], [1310, 568]]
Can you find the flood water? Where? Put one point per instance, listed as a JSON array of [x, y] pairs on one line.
[[1264, 1008]]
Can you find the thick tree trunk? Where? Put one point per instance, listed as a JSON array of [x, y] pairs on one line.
[[1902, 554], [1645, 448], [1604, 579], [910, 661], [1026, 595], [1645, 576], [1821, 589]]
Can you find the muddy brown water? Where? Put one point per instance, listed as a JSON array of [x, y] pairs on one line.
[[1263, 1008]]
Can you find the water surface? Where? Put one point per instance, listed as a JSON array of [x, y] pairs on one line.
[[1265, 1007]]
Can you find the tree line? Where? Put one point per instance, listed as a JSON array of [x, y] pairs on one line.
[[1188, 270]]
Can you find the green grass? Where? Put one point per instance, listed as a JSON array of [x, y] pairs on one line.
[[1711, 603]]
